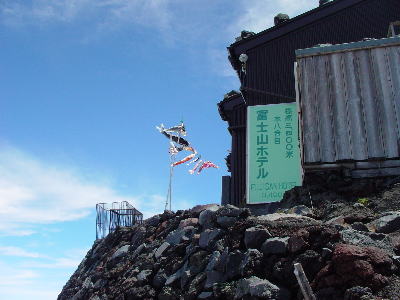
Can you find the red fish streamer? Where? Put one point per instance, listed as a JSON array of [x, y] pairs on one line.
[[206, 165], [177, 144], [187, 158], [195, 167]]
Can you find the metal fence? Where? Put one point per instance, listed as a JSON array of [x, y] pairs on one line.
[[118, 214]]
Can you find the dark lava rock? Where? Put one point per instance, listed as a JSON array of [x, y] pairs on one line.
[[353, 265], [251, 263], [195, 211], [301, 210], [254, 237], [153, 221], [168, 293], [176, 236], [231, 253], [225, 221], [299, 241], [311, 262], [208, 237], [233, 263], [358, 293], [159, 279], [188, 222], [196, 286], [233, 211], [392, 290], [214, 261], [395, 237], [388, 223], [256, 287], [139, 235], [275, 246], [359, 226], [283, 271], [205, 295], [326, 253], [198, 261], [138, 293], [207, 217], [224, 290], [359, 238], [213, 277]]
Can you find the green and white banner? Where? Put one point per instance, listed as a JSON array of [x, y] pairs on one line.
[[273, 153]]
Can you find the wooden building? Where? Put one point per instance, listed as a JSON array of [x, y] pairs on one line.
[[264, 63]]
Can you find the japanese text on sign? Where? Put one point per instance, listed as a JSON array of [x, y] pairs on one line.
[[273, 156]]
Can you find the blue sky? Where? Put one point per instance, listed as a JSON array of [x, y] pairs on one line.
[[83, 83]]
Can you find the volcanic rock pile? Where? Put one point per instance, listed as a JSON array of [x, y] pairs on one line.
[[349, 248]]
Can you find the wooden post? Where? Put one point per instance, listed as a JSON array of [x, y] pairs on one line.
[[303, 282]]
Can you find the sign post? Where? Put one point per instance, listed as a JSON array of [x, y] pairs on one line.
[[273, 153]]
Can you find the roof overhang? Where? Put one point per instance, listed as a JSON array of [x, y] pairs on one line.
[[227, 105], [291, 25]]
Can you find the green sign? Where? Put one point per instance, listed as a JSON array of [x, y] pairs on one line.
[[273, 153]]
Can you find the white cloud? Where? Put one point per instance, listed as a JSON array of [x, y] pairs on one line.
[[186, 23], [156, 204], [103, 13], [11, 275], [145, 12], [220, 63], [34, 192], [23, 283], [36, 278], [16, 251], [258, 15], [69, 261], [59, 263]]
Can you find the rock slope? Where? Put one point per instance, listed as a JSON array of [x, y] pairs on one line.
[[349, 247]]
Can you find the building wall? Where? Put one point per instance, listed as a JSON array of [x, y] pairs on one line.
[[270, 66], [350, 102], [269, 75], [238, 156]]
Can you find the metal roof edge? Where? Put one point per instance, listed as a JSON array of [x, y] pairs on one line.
[[321, 50], [231, 102], [297, 22], [228, 104]]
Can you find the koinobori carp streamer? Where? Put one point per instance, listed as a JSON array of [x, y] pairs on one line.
[[206, 165], [178, 144]]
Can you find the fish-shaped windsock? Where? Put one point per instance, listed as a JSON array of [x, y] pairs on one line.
[[195, 167], [176, 139], [180, 129], [178, 144], [187, 158], [206, 165]]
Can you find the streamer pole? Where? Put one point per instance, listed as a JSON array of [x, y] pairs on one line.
[[171, 173]]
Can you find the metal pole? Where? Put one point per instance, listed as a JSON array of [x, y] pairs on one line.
[[303, 282], [170, 185]]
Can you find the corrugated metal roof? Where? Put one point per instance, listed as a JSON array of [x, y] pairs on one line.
[[350, 102], [295, 23], [269, 68], [325, 49]]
